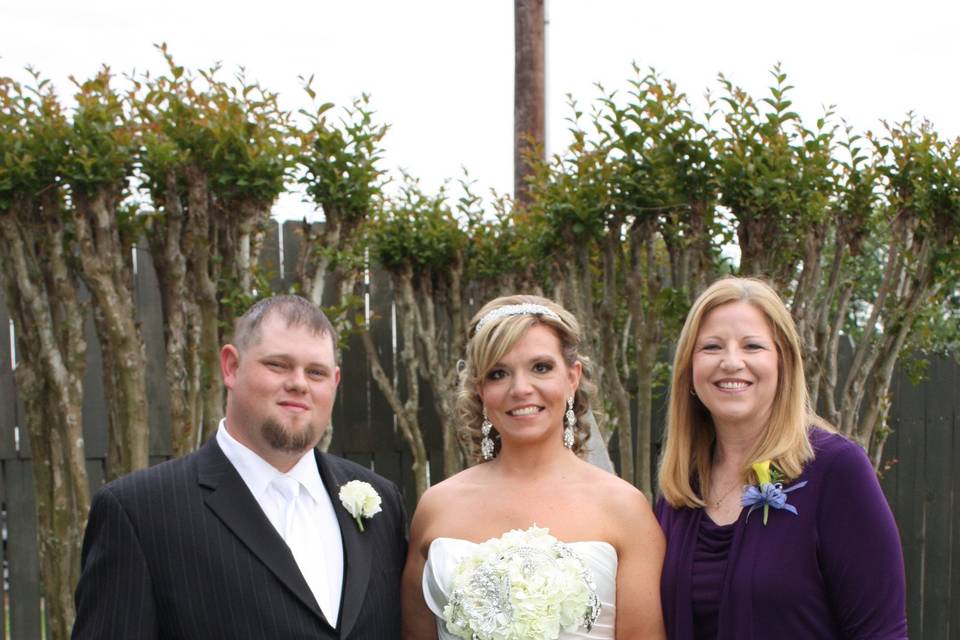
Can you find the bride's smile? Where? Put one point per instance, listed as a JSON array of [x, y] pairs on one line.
[[528, 410]]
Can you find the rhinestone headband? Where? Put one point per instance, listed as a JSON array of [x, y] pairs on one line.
[[525, 309]]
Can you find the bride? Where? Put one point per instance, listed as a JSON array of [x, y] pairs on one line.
[[572, 530]]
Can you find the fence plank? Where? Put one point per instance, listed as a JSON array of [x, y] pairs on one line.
[[96, 473], [292, 240], [392, 453], [435, 459], [95, 421], [407, 482], [910, 512], [270, 257], [4, 551], [954, 548], [432, 438], [387, 464], [937, 503], [150, 317], [8, 402], [22, 552], [365, 460], [354, 431], [889, 472]]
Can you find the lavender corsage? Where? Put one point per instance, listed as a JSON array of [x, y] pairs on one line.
[[768, 492]]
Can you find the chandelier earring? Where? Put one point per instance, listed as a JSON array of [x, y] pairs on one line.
[[486, 443], [570, 420]]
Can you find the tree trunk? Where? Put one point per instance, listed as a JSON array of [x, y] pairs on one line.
[[168, 236], [878, 400], [318, 245], [646, 359], [830, 379], [48, 321], [528, 93], [405, 411], [642, 288], [183, 241], [865, 354], [646, 334], [610, 352], [805, 304], [816, 356], [108, 274], [204, 274], [211, 390], [440, 339]]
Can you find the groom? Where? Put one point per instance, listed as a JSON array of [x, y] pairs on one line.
[[249, 537]]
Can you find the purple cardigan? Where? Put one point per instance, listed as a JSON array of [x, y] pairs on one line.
[[835, 570]]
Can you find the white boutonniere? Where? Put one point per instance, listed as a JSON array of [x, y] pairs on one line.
[[360, 500]]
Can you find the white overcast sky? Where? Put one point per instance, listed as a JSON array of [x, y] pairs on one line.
[[440, 72]]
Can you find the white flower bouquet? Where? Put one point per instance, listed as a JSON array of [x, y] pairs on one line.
[[525, 585]]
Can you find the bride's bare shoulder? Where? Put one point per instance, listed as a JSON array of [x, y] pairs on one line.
[[457, 489], [446, 505], [470, 479], [617, 499], [611, 485]]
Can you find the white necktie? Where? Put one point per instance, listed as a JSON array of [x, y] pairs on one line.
[[298, 532]]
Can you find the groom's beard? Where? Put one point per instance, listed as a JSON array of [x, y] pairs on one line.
[[287, 441]]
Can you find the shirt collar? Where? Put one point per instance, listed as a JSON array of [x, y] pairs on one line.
[[307, 473], [257, 473]]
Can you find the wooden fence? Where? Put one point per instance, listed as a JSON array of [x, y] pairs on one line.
[[922, 485]]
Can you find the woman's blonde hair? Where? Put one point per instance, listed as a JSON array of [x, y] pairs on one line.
[[491, 342], [686, 459]]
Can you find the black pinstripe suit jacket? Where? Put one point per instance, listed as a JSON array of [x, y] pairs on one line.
[[183, 551]]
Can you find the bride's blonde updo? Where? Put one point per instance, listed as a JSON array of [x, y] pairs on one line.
[[494, 330]]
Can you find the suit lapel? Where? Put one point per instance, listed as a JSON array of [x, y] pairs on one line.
[[230, 499], [356, 551]]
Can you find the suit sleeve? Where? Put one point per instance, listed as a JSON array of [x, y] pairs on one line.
[[861, 556], [114, 596]]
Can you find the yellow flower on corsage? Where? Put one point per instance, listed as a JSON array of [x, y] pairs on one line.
[[769, 492]]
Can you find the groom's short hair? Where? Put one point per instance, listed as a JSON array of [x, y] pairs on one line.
[[294, 310]]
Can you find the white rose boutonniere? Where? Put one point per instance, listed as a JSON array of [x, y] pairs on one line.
[[360, 500]]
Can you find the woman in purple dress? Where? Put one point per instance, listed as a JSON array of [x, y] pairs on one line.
[[776, 525]]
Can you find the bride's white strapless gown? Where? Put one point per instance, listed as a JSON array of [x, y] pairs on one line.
[[599, 557]]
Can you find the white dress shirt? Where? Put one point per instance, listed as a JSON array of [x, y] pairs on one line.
[[258, 474]]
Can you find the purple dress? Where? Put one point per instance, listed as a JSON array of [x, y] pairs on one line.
[[709, 567], [834, 570]]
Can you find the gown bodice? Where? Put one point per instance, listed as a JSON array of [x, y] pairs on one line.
[[600, 558]]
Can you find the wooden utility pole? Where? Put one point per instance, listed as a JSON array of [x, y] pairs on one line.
[[528, 92]]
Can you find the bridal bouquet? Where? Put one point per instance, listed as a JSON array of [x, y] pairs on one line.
[[524, 585]]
